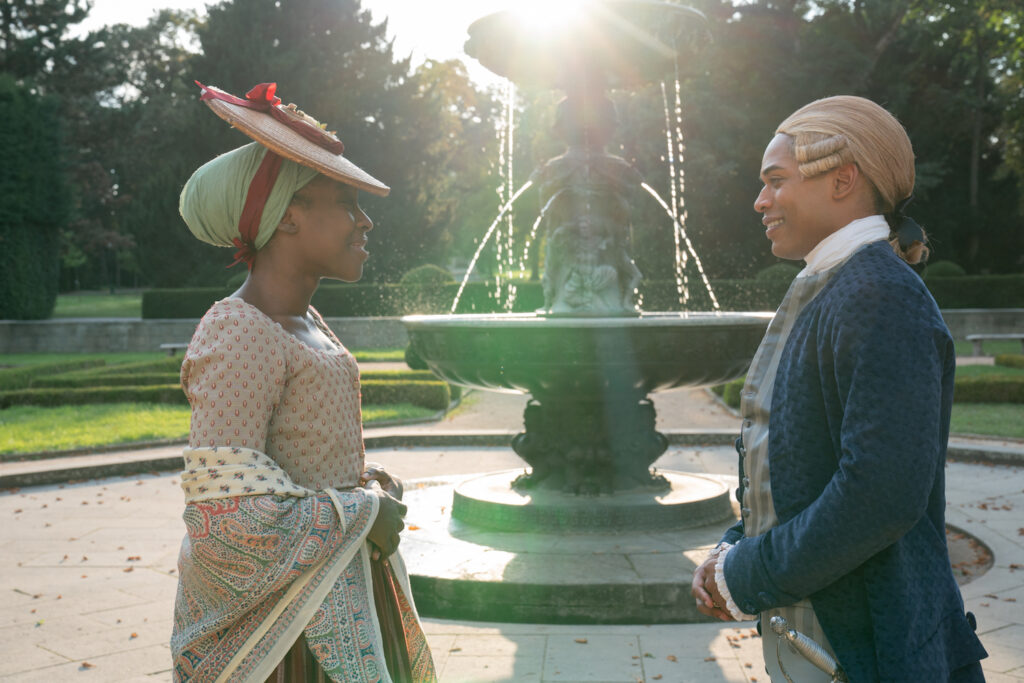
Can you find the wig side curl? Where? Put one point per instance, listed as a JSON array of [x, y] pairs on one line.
[[834, 131]]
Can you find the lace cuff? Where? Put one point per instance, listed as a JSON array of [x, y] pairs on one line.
[[723, 587]]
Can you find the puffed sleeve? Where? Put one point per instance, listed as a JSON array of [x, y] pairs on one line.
[[234, 376]]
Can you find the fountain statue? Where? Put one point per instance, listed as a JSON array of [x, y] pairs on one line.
[[590, 358]]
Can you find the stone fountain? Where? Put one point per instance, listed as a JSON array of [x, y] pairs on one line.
[[589, 359]]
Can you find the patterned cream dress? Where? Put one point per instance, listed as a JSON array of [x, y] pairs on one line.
[[276, 560]]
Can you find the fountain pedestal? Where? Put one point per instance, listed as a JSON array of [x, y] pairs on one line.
[[528, 547]]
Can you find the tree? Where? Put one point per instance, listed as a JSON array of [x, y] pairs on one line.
[[33, 205]]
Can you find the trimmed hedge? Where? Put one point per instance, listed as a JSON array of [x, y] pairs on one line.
[[398, 375], [989, 389], [75, 380], [143, 367], [978, 291], [375, 300], [164, 393], [422, 390], [1010, 360], [432, 395], [24, 376]]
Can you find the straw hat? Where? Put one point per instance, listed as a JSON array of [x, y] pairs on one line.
[[290, 133]]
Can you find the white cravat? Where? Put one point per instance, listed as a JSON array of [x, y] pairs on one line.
[[839, 245]]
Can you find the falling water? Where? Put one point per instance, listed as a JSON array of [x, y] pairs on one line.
[[682, 282], [529, 242], [504, 240], [681, 232], [487, 236]]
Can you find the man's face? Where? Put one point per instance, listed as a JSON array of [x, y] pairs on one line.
[[798, 212]]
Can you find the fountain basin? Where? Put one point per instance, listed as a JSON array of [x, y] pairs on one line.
[[549, 356], [620, 42]]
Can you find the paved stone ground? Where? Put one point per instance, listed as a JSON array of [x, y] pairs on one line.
[[87, 578]]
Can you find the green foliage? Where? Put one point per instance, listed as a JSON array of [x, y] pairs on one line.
[[403, 375], [951, 71], [778, 272], [1010, 360], [164, 393], [435, 394], [730, 392], [427, 275], [762, 294], [98, 305], [978, 291], [413, 359], [33, 202], [24, 377], [989, 389], [942, 269], [79, 381]]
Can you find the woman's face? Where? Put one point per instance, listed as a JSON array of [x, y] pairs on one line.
[[331, 228]]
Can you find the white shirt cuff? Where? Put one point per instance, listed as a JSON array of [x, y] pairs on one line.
[[723, 587]]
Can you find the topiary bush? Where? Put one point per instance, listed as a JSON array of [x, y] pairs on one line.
[[943, 269], [413, 359]]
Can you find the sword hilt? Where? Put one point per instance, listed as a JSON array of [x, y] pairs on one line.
[[807, 648]]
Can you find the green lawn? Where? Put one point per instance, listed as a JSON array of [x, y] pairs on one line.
[[988, 371], [989, 419], [99, 305], [991, 347], [28, 429]]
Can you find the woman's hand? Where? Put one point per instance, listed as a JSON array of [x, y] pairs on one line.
[[704, 589], [384, 532], [375, 472]]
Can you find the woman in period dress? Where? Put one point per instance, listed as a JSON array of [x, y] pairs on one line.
[[289, 570]]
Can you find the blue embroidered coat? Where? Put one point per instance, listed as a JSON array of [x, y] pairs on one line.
[[857, 446]]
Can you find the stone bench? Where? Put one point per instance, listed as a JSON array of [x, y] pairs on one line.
[[977, 339], [172, 348]]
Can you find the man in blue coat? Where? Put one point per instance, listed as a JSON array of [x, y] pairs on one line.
[[846, 417]]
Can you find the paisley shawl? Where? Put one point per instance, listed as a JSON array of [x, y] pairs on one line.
[[265, 560]]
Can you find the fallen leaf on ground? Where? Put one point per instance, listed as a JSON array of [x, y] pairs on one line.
[[672, 658], [582, 641], [87, 665]]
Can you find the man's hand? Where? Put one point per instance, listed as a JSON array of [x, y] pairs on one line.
[[384, 532], [704, 589], [375, 472]]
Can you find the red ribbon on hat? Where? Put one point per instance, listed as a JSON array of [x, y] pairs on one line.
[[252, 211], [262, 98]]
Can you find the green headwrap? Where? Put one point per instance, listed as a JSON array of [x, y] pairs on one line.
[[212, 199]]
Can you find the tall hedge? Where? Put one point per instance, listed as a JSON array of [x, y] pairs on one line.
[[33, 202]]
